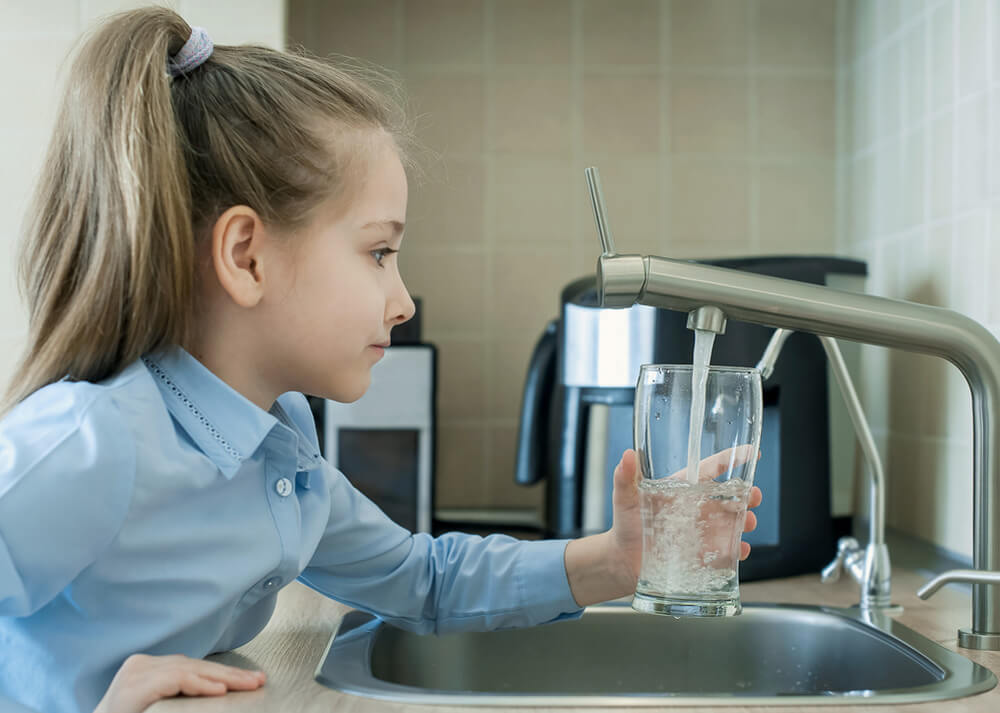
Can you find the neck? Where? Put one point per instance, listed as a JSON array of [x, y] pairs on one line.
[[236, 363]]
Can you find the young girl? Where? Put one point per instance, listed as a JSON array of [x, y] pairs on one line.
[[215, 232]]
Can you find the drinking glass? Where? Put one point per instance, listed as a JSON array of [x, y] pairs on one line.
[[692, 519]]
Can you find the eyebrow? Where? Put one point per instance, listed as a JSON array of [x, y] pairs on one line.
[[395, 225]]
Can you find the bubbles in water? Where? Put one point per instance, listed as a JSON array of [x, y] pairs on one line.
[[657, 415]]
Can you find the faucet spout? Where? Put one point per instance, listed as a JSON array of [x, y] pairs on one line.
[[774, 302]]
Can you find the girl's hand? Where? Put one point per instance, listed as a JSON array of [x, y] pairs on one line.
[[142, 680], [626, 530]]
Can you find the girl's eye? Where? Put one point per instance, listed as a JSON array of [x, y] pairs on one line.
[[381, 253]]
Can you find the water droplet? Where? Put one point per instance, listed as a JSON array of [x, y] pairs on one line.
[[657, 415]]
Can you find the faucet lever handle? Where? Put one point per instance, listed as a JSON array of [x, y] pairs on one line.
[[600, 211], [846, 546], [970, 576]]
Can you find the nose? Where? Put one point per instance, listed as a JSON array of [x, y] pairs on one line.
[[400, 307]]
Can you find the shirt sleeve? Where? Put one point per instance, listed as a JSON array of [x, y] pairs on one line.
[[455, 582], [66, 470]]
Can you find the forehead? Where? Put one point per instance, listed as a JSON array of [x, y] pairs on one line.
[[380, 192]]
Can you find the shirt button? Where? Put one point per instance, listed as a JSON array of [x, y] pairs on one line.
[[272, 583], [284, 487]]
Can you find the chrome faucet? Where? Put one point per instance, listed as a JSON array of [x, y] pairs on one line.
[[870, 567], [623, 280]]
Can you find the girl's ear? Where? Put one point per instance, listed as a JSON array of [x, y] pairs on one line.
[[238, 242]]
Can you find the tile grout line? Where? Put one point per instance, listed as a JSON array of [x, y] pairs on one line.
[[753, 128], [489, 238]]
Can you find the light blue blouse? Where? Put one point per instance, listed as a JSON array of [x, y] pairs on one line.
[[160, 512]]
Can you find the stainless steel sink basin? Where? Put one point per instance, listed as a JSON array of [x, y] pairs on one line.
[[769, 655]]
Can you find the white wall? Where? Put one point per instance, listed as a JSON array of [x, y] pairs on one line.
[[919, 199], [35, 37]]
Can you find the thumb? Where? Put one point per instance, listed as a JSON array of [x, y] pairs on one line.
[[626, 479]]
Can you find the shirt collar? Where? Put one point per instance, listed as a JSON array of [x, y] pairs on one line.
[[224, 424]]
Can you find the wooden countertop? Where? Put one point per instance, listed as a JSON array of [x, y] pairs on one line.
[[289, 649]]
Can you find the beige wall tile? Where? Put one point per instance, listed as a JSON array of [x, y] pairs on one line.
[[508, 358], [709, 114], [709, 33], [796, 33], [525, 212], [443, 32], [621, 32], [231, 22], [531, 115], [621, 115], [461, 379], [796, 207], [907, 397], [710, 202], [449, 111], [356, 28], [796, 116], [460, 478], [503, 491], [526, 288], [456, 303], [532, 32], [446, 207]]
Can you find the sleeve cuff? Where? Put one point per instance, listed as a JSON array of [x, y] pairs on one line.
[[543, 584]]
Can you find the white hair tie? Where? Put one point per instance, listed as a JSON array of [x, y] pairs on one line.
[[193, 54]]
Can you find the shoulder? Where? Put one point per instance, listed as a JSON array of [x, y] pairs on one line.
[[67, 474], [297, 407], [71, 437]]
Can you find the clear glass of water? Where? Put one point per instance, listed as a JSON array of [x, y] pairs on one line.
[[693, 499]]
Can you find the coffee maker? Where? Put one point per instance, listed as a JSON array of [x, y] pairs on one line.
[[576, 414]]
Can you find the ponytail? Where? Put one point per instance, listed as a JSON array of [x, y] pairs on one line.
[[108, 267]]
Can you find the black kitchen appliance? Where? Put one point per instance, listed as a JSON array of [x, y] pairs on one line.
[[576, 414]]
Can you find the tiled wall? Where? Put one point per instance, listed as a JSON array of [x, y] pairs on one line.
[[35, 38], [919, 198], [712, 122]]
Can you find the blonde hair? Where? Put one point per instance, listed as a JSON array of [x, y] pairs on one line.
[[140, 165]]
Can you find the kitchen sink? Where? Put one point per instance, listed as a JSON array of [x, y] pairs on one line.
[[772, 654]]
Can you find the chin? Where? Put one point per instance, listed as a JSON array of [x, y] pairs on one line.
[[349, 393]]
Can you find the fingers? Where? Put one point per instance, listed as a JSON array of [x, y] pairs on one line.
[[716, 464], [235, 679], [755, 497], [191, 684], [744, 551], [750, 523]]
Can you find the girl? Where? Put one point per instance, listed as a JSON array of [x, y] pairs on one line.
[[214, 233]]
